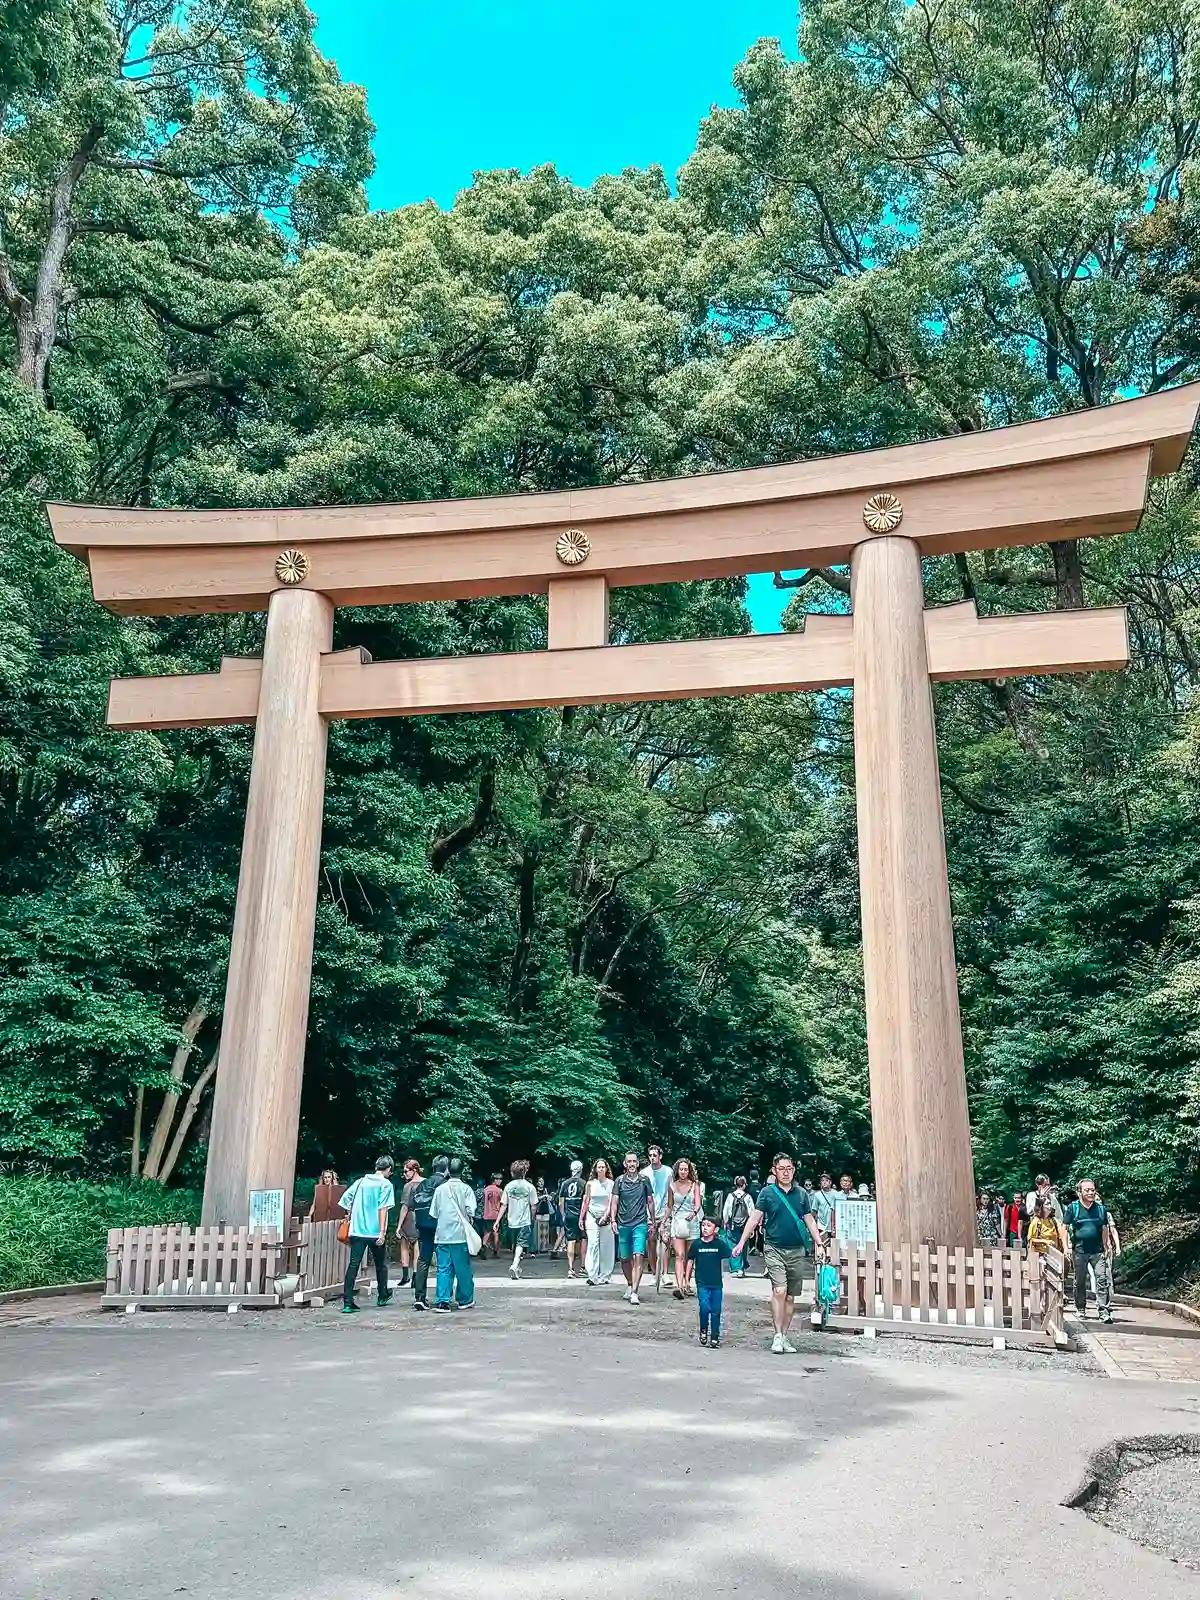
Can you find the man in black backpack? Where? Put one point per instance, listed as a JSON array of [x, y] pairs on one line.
[[1091, 1236], [734, 1215], [426, 1229]]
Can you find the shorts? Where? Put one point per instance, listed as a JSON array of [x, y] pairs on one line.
[[521, 1236], [631, 1241], [572, 1230], [786, 1268]]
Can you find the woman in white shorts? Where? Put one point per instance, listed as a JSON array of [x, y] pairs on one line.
[[595, 1213], [684, 1206]]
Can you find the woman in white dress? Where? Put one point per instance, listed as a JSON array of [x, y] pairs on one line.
[[684, 1208], [595, 1216]]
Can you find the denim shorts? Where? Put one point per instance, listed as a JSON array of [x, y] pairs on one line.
[[521, 1236], [631, 1241]]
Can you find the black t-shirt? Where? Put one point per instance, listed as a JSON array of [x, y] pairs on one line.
[[570, 1192], [708, 1255], [423, 1197], [781, 1216], [632, 1194]]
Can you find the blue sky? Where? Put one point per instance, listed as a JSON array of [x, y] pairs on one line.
[[467, 85]]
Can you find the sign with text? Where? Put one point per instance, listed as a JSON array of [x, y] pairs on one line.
[[266, 1209], [856, 1221]]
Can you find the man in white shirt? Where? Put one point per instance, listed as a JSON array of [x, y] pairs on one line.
[[1045, 1192], [452, 1206], [659, 1175], [518, 1203]]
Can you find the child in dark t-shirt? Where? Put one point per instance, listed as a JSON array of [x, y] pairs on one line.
[[707, 1253]]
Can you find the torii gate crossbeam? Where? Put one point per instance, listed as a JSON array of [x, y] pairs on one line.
[[1083, 474]]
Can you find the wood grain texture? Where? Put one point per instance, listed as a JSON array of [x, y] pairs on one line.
[[922, 1135], [577, 613], [959, 645], [256, 1108], [1092, 495], [1163, 422]]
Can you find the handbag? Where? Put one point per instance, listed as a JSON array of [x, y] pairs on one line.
[[474, 1242], [343, 1233]]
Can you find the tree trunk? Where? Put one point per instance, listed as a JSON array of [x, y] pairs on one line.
[[35, 316], [191, 1106], [1068, 574], [135, 1153], [162, 1124]]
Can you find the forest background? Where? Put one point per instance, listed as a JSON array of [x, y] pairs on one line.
[[556, 932]]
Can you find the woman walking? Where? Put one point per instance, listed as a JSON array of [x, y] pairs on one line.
[[989, 1220], [1043, 1228], [406, 1227], [595, 1214], [683, 1221]]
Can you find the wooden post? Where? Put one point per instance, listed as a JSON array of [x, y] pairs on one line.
[[922, 1135], [256, 1110]]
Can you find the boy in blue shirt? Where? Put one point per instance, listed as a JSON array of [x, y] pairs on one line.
[[707, 1253]]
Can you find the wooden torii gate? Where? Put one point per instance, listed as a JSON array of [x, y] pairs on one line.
[[1076, 476]]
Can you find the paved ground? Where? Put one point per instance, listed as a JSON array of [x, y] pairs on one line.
[[1145, 1343], [505, 1453]]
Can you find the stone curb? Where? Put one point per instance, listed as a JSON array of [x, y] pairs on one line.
[[1106, 1466], [51, 1291], [1175, 1307]]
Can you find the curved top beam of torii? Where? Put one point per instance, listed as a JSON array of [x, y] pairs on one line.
[[1078, 475]]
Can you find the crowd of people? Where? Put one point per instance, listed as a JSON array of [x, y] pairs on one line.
[[648, 1216], [658, 1218], [1083, 1229]]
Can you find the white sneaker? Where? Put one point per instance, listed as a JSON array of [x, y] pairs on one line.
[[789, 1349], [777, 1345], [514, 1273], [628, 1295], [633, 1300]]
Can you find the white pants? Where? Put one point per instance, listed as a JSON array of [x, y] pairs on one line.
[[601, 1250]]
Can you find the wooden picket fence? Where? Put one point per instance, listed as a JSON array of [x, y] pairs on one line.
[[321, 1262], [974, 1294], [173, 1266]]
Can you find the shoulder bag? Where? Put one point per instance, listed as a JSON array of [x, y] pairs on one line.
[[474, 1242]]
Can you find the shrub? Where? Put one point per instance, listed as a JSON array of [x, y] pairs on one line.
[[54, 1230]]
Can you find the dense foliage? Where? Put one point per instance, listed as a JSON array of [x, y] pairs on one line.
[[555, 931], [54, 1230]]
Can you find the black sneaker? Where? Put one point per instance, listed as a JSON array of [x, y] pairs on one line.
[[438, 1306], [714, 1344], [346, 1310], [704, 1338], [420, 1305], [382, 1299]]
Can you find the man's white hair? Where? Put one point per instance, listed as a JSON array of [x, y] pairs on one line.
[[576, 1168]]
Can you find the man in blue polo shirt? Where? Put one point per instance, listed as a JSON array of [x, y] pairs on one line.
[[785, 1213], [368, 1201]]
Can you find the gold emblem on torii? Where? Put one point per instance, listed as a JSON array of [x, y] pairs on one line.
[[883, 513]]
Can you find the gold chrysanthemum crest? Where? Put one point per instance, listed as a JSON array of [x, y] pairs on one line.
[[572, 547], [291, 566], [882, 513]]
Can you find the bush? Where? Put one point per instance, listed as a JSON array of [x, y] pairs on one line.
[[54, 1230]]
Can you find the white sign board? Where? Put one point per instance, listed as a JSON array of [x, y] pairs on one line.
[[266, 1209], [856, 1221]]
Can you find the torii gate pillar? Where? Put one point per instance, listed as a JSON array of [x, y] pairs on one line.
[[922, 1133], [256, 1105]]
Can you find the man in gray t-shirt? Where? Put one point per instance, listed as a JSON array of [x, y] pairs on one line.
[[633, 1213]]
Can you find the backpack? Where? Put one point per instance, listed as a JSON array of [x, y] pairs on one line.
[[740, 1209], [423, 1197]]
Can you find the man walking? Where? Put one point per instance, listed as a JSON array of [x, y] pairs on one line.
[[1091, 1236], [570, 1202], [453, 1203], [426, 1229], [368, 1200], [491, 1215], [822, 1202], [734, 1216], [659, 1175], [633, 1213], [783, 1210], [518, 1201]]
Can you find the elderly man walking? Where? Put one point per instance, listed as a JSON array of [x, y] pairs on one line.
[[784, 1211], [1092, 1239], [452, 1206], [368, 1200]]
